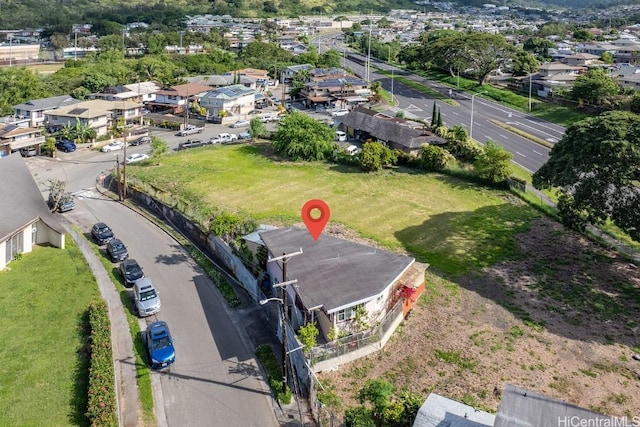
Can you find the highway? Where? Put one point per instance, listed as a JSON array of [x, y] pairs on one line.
[[414, 104]]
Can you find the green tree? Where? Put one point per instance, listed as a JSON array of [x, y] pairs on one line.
[[524, 63], [595, 87], [159, 147], [307, 335], [596, 168], [494, 164], [18, 85], [375, 156], [582, 35], [257, 128], [538, 46], [301, 137], [378, 394], [607, 57], [434, 159]]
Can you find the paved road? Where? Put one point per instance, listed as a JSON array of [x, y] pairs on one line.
[[413, 103], [215, 380]]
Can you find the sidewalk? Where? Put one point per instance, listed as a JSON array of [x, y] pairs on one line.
[[122, 345]]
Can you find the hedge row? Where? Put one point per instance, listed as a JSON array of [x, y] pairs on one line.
[[225, 288], [101, 406], [266, 356]]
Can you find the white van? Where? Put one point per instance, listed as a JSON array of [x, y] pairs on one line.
[[352, 150], [341, 136]]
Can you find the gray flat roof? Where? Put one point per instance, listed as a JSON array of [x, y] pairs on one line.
[[22, 202], [332, 272], [439, 411]]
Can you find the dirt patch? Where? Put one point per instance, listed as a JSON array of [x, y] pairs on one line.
[[562, 320]]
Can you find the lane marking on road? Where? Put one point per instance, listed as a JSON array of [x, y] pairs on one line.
[[520, 154], [413, 107], [538, 153], [549, 136], [504, 136], [455, 113]]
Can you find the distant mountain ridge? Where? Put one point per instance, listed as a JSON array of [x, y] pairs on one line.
[[574, 4]]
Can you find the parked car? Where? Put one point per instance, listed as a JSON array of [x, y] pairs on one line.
[[141, 140], [113, 146], [352, 150], [244, 135], [159, 345], [66, 145], [191, 143], [267, 118], [340, 112], [102, 233], [226, 138], [341, 136], [28, 151], [130, 271], [240, 123], [116, 250], [145, 297], [189, 130], [62, 203], [136, 157]]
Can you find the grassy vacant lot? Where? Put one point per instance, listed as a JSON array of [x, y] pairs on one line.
[[453, 225], [44, 369]]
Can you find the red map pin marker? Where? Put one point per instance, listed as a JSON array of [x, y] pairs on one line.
[[315, 225]]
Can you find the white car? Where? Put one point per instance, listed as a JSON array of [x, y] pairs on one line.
[[112, 146], [240, 123], [341, 136], [137, 157], [340, 112]]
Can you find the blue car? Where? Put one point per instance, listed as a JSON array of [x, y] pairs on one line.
[[65, 145], [160, 345]]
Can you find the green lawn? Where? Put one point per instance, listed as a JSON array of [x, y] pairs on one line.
[[44, 372], [453, 225]]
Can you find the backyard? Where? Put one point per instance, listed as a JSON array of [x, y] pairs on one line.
[[44, 297], [511, 296]]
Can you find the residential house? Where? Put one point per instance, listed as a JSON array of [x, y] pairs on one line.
[[581, 59], [14, 137], [259, 78], [174, 99], [25, 219], [395, 133], [19, 53], [336, 278], [98, 114], [35, 109], [235, 101], [627, 76], [344, 91], [290, 72], [518, 407], [136, 92]]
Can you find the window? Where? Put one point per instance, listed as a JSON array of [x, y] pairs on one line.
[[348, 313], [13, 246]]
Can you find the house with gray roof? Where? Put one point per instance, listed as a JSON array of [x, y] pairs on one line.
[[439, 411], [235, 101], [14, 137], [25, 219], [35, 110], [337, 277], [396, 133]]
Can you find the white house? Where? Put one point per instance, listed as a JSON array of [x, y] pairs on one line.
[[25, 219], [235, 100], [35, 109]]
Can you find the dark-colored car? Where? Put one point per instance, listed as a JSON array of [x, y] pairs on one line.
[[244, 135], [141, 140], [116, 250], [102, 233], [65, 145], [160, 345], [130, 271]]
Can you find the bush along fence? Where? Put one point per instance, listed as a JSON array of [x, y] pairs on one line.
[[101, 406]]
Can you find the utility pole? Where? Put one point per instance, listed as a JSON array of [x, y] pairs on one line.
[[118, 176], [530, 92], [124, 153], [285, 354]]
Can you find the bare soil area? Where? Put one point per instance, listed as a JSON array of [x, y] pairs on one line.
[[563, 320]]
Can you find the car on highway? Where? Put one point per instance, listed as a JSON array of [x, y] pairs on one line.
[[159, 345], [117, 251], [102, 233], [136, 157], [146, 298], [130, 271], [66, 145], [112, 146], [240, 123], [141, 140]]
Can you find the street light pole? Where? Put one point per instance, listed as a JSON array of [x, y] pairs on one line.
[[529, 92], [10, 49], [471, 125], [369, 56]]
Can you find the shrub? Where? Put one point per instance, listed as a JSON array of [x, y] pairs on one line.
[[101, 406], [434, 159], [265, 355]]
